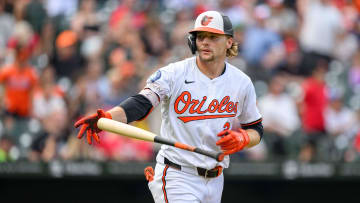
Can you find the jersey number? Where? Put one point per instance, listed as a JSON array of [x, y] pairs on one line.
[[226, 126]]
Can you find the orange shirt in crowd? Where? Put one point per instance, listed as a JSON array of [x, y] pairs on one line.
[[19, 84]]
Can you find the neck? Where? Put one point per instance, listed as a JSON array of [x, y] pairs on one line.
[[211, 69]]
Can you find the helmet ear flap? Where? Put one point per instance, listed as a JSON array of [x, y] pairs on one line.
[[192, 42]]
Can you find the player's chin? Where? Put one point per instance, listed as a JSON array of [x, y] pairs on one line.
[[206, 56]]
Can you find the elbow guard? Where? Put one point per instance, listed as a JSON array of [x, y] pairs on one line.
[[136, 107], [256, 125]]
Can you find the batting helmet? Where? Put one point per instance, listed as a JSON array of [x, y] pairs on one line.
[[210, 21]]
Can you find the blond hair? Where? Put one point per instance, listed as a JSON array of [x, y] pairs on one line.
[[233, 51]]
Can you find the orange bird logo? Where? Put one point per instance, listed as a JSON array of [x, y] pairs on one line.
[[206, 20]]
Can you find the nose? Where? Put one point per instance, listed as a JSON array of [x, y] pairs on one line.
[[205, 40]]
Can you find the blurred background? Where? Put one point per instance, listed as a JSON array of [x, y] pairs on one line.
[[60, 60]]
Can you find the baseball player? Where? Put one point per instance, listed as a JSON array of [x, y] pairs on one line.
[[201, 98]]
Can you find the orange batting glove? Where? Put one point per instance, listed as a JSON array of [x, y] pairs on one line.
[[89, 124], [233, 141], [149, 173]]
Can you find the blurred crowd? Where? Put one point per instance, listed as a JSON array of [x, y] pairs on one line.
[[64, 59]]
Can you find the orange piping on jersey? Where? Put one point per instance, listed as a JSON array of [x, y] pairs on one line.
[[184, 146], [186, 119], [164, 183], [252, 123]]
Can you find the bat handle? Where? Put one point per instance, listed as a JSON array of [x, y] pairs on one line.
[[215, 155]]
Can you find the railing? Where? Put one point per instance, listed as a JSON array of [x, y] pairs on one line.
[[286, 170]]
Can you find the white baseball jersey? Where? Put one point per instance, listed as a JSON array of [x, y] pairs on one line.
[[195, 108]]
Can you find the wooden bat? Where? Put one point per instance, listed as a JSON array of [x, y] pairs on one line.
[[140, 134]]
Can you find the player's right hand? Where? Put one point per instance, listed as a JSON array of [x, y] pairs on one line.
[[89, 124]]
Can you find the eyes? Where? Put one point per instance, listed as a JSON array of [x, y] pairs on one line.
[[212, 37]]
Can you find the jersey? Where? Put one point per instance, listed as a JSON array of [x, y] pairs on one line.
[[19, 84], [195, 108]]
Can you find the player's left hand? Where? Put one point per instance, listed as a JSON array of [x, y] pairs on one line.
[[233, 141], [149, 173]]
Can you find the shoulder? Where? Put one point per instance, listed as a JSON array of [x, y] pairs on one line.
[[238, 75], [178, 67], [7, 69]]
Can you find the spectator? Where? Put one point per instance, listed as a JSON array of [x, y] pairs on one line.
[[120, 81], [67, 60], [178, 35], [321, 26], [50, 109], [354, 73], [346, 47], [64, 7], [236, 11], [19, 81], [262, 48], [103, 51], [293, 59], [48, 98], [353, 151], [85, 18], [283, 20], [313, 107], [339, 120], [6, 23], [154, 39], [338, 117], [94, 71], [19, 7], [6, 144], [276, 107], [36, 15]]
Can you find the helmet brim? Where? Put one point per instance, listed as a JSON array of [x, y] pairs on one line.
[[207, 29]]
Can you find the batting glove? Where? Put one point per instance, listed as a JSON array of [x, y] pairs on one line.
[[149, 173], [89, 124], [233, 141]]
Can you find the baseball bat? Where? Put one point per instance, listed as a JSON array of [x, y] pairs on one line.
[[140, 134]]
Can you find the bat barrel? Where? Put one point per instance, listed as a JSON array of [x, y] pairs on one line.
[[125, 129]]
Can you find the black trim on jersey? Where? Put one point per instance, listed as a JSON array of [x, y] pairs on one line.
[[256, 125], [136, 107], [224, 69]]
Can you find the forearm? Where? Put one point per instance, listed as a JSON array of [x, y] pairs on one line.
[[254, 138], [118, 114]]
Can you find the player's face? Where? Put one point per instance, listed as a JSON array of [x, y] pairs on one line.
[[211, 46]]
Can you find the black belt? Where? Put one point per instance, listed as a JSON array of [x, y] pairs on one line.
[[212, 173]]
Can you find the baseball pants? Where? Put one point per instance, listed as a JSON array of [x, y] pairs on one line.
[[176, 186]]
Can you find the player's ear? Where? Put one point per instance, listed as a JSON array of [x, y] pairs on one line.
[[229, 42]]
